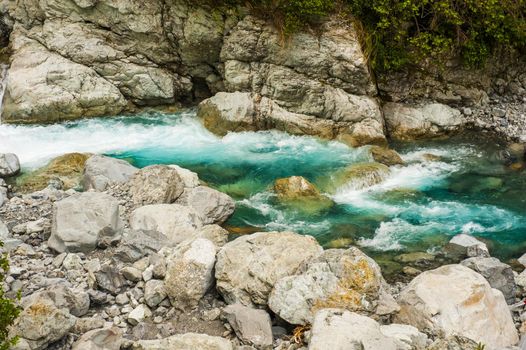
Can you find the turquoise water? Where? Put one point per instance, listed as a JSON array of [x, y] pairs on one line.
[[419, 207]]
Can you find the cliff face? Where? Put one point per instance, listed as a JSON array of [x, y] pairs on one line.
[[86, 58]]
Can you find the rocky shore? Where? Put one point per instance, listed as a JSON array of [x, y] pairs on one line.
[[138, 260]]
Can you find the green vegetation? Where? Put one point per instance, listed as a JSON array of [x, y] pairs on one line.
[[9, 310], [398, 33]]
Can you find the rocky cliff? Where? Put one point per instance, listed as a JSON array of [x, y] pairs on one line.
[[87, 58]]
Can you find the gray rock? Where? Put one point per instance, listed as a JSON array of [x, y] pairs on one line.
[[75, 300], [82, 220], [521, 259], [408, 337], [213, 206], [343, 279], [189, 178], [72, 262], [252, 327], [109, 279], [185, 341], [9, 165], [4, 231], [132, 274], [154, 292], [156, 184], [189, 272], [100, 171], [137, 244], [248, 267], [139, 315], [499, 275], [175, 221], [455, 300], [214, 233], [344, 330], [464, 245], [100, 339]]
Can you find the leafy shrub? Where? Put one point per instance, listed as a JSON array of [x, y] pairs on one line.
[[9, 310]]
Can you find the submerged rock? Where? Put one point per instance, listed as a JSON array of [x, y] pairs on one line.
[[66, 169], [248, 267], [355, 177], [337, 329], [156, 184], [100, 171], [455, 300], [431, 120], [299, 193], [9, 165], [82, 221], [343, 279], [386, 156]]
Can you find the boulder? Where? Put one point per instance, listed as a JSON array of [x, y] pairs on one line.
[[386, 156], [75, 300], [9, 165], [214, 233], [355, 177], [82, 221], [344, 330], [100, 339], [342, 279], [252, 327], [408, 337], [455, 300], [248, 267], [431, 120], [63, 172], [213, 206], [154, 292], [156, 184], [175, 221], [101, 171], [109, 279], [188, 341], [499, 275], [42, 323], [189, 178], [137, 244], [189, 273], [464, 245]]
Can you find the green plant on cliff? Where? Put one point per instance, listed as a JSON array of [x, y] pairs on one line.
[[398, 33], [9, 310]]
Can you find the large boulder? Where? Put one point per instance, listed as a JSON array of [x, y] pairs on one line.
[[188, 341], [9, 165], [75, 300], [175, 221], [82, 221], [42, 323], [252, 326], [190, 179], [189, 273], [100, 339], [499, 275], [464, 245], [248, 267], [213, 206], [100, 171], [137, 244], [156, 184], [343, 330], [431, 120], [455, 300], [343, 279]]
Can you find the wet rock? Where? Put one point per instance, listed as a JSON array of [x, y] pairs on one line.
[[139, 243], [298, 192], [9, 165], [343, 279], [340, 329], [154, 292], [100, 171], [386, 156], [185, 341], [465, 245], [431, 120], [156, 184], [499, 275], [82, 220], [252, 327], [42, 323], [100, 339], [110, 279], [248, 267], [416, 258], [455, 300], [356, 176], [189, 272], [213, 206], [175, 221]]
